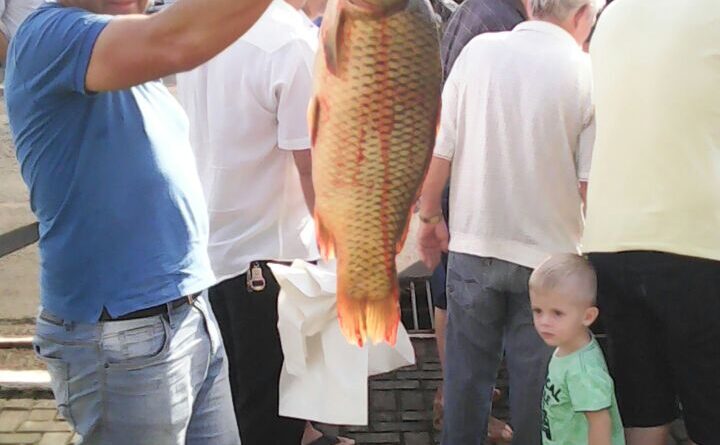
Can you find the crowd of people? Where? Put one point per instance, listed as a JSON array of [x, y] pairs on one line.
[[158, 320]]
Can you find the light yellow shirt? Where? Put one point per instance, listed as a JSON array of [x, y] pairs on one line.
[[655, 178]]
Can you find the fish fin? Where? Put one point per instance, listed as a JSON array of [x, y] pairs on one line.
[[314, 119], [382, 316], [351, 315], [378, 9], [332, 29], [325, 240], [363, 317]]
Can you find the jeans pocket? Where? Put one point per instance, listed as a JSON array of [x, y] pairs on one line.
[[135, 344], [50, 353]]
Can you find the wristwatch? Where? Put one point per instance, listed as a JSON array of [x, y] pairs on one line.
[[432, 219]]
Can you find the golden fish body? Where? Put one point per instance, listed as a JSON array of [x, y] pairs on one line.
[[373, 122]]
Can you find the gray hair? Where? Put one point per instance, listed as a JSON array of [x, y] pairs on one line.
[[560, 9]]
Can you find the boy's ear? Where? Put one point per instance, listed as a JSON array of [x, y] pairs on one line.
[[591, 314]]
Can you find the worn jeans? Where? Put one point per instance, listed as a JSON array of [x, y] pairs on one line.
[[159, 380], [488, 313]]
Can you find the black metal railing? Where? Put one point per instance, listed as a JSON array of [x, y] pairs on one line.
[[18, 239]]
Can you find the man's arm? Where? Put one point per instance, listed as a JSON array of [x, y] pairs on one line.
[[433, 234], [3, 48], [599, 427], [134, 49], [303, 163], [582, 187]]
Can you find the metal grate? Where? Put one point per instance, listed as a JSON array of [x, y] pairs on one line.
[[416, 307]]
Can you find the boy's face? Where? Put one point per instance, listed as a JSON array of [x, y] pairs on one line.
[[561, 319]]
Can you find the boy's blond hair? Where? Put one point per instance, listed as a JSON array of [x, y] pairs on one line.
[[566, 272]]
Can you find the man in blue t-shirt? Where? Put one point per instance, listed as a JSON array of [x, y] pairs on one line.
[[132, 348]]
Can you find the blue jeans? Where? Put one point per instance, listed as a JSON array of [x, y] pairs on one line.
[[159, 380], [488, 313]]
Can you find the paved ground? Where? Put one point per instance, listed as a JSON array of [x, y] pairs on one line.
[[400, 410]]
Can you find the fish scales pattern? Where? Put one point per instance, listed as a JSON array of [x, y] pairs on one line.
[[377, 118]]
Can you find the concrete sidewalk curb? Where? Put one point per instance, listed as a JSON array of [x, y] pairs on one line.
[[25, 380]]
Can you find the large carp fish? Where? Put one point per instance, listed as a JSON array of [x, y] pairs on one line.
[[373, 123]]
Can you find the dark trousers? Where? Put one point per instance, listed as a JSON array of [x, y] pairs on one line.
[[248, 322], [661, 312]]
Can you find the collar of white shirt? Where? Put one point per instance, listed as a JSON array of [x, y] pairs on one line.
[[545, 28]]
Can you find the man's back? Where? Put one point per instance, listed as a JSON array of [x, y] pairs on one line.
[[522, 101], [247, 110], [655, 183]]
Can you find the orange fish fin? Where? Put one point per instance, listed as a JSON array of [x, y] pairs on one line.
[[332, 29], [325, 240], [382, 316], [351, 314], [364, 317], [314, 119]]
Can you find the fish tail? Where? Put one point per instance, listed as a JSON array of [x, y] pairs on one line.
[[382, 318], [351, 313], [325, 240], [364, 316]]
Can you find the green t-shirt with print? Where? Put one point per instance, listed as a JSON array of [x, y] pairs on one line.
[[578, 383]]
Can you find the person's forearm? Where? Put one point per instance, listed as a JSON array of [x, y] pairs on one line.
[[203, 28], [599, 428], [431, 196], [303, 163], [3, 48], [308, 192], [133, 49], [583, 186]]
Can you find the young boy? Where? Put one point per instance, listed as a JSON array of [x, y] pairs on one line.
[[579, 404]]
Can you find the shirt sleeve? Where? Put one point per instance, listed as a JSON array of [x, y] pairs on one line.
[[447, 133], [590, 391], [293, 87], [53, 51], [586, 141], [583, 157]]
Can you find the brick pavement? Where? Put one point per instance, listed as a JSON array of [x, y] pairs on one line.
[[32, 421], [400, 410]]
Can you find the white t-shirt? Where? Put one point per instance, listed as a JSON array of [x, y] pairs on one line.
[[248, 111], [517, 123], [13, 12]]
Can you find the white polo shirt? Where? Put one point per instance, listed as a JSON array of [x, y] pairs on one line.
[[248, 112], [517, 124], [13, 12]]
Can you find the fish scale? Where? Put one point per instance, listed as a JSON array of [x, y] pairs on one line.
[[374, 119]]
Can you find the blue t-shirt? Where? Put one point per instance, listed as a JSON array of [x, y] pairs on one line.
[[112, 177]]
